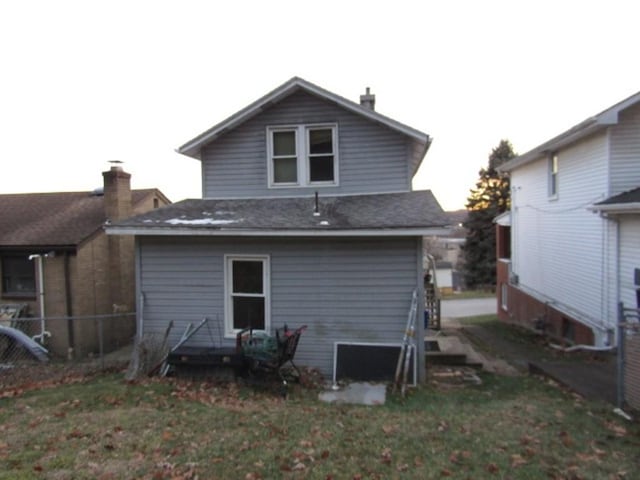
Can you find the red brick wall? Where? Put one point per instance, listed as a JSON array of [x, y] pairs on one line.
[[531, 313]]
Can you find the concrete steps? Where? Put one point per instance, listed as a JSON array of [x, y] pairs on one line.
[[450, 350]]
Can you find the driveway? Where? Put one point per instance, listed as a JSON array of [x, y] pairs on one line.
[[467, 307]]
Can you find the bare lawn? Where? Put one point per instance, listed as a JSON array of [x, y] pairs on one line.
[[101, 427]]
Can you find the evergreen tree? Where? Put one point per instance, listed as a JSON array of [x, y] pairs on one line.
[[490, 198]]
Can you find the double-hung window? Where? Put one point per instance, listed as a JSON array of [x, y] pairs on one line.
[[18, 276], [284, 157], [246, 293], [302, 155], [553, 176]]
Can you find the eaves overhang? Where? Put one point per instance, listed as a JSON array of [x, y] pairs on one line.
[[617, 208], [202, 232], [582, 130]]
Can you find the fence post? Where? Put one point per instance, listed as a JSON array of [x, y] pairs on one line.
[[101, 341], [621, 363]]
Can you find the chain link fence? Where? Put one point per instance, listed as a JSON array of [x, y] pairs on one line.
[[35, 351], [629, 357]]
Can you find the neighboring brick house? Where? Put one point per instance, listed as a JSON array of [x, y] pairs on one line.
[[84, 272], [308, 217]]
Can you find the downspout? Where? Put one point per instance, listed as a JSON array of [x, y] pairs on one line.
[[618, 271], [575, 348], [67, 288], [43, 332]]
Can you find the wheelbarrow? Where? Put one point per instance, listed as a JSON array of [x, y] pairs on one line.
[[265, 355]]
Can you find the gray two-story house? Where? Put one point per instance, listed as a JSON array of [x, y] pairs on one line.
[[307, 217]]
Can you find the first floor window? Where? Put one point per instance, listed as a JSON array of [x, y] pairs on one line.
[[18, 276], [246, 293]]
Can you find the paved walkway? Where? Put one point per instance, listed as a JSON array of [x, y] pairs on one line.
[[590, 374], [467, 307]]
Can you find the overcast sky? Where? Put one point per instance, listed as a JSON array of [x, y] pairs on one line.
[[84, 82]]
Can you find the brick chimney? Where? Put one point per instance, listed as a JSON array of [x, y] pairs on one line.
[[120, 248], [117, 194], [368, 100]]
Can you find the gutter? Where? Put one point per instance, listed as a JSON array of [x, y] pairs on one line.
[[172, 231], [614, 208]]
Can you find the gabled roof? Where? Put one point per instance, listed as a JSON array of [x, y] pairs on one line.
[[582, 130], [457, 217], [626, 202], [53, 219], [193, 146], [398, 214]]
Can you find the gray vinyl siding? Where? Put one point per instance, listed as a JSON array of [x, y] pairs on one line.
[[372, 157], [342, 289], [625, 152]]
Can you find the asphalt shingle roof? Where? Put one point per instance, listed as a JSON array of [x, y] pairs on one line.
[[408, 210], [52, 219], [630, 196]]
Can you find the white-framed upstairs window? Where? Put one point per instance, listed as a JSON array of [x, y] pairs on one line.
[[302, 155], [284, 157], [247, 293], [553, 176]]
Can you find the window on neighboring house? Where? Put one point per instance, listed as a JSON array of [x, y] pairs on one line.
[[568, 330], [504, 296], [553, 175], [246, 293], [302, 155], [18, 276]]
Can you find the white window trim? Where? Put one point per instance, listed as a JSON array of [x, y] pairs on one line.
[[299, 144], [553, 176], [302, 154], [229, 331]]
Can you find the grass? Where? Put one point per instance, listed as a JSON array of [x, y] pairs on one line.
[[514, 342], [521, 427]]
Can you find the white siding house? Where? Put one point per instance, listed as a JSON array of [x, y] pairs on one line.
[[572, 259]]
